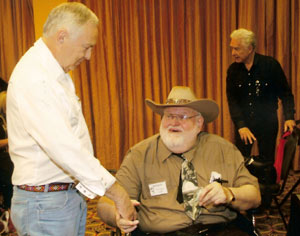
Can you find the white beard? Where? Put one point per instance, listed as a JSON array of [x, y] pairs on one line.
[[181, 140]]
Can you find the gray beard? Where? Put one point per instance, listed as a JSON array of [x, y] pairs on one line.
[[178, 141]]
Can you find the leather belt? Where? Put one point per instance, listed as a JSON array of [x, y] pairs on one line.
[[53, 187]]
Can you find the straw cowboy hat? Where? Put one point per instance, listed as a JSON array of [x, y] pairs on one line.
[[181, 96]]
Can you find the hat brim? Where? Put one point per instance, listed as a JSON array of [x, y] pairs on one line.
[[209, 109]]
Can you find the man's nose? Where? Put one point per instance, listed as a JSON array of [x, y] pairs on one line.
[[175, 120], [88, 54], [233, 52]]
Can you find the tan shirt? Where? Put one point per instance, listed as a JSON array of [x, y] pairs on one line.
[[150, 162]]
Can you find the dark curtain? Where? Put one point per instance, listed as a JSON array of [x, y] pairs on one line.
[[145, 47], [16, 33]]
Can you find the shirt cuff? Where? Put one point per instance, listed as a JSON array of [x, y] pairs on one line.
[[92, 188], [240, 124]]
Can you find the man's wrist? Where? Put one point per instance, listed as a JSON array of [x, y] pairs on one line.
[[230, 196]]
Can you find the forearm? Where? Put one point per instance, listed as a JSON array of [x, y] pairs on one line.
[[121, 200], [246, 197], [107, 211], [236, 114], [234, 105], [117, 194]]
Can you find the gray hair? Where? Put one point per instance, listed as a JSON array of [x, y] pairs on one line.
[[247, 37], [71, 15], [3, 102]]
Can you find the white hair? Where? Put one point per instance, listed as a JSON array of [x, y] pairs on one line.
[[247, 37], [71, 15]]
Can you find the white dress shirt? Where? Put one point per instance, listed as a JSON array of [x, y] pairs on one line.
[[47, 134]]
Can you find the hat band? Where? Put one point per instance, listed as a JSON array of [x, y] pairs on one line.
[[177, 101]]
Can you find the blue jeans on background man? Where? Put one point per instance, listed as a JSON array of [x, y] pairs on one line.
[[48, 213]]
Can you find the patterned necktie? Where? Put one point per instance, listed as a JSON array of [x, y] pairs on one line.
[[179, 192], [190, 190]]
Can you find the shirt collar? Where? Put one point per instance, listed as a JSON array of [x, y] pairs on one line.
[[163, 151], [190, 154], [255, 60], [49, 60]]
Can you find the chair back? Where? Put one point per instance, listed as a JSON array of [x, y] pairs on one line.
[[289, 153]]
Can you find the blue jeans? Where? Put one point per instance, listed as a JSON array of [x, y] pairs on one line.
[[48, 213]]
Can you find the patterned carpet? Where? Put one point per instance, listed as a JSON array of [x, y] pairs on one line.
[[268, 222], [94, 227]]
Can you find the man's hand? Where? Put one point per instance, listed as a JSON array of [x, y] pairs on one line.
[[122, 202], [246, 196], [289, 125], [214, 194], [127, 226], [246, 135]]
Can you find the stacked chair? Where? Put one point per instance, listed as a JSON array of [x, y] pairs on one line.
[[273, 179]]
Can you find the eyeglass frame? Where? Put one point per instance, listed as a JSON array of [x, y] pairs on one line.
[[179, 117]]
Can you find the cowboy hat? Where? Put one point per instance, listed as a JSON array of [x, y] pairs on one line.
[[181, 96]]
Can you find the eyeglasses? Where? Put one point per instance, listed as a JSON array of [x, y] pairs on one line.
[[178, 117]]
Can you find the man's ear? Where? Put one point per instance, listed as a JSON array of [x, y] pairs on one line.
[[251, 48], [200, 121], [61, 36]]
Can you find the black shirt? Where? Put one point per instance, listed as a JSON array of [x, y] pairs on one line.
[[253, 95]]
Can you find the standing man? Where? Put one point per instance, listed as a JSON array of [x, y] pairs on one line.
[[49, 141], [254, 84]]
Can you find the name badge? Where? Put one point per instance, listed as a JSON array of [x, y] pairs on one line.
[[214, 176], [158, 188]]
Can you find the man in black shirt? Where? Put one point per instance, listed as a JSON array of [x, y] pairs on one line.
[[254, 84]]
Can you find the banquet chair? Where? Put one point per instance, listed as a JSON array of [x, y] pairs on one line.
[[272, 190], [290, 146]]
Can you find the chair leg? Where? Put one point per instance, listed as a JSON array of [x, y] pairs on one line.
[[280, 212], [289, 192]]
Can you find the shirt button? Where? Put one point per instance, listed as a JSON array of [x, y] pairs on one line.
[[250, 103], [249, 84], [249, 73], [250, 94]]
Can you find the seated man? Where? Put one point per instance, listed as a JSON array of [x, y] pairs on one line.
[[215, 183]]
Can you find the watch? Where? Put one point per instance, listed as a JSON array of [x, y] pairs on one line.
[[233, 197]]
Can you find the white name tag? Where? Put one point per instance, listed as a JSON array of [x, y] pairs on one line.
[[214, 175], [158, 188]]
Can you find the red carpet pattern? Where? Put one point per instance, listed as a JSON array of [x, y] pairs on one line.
[[94, 226]]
